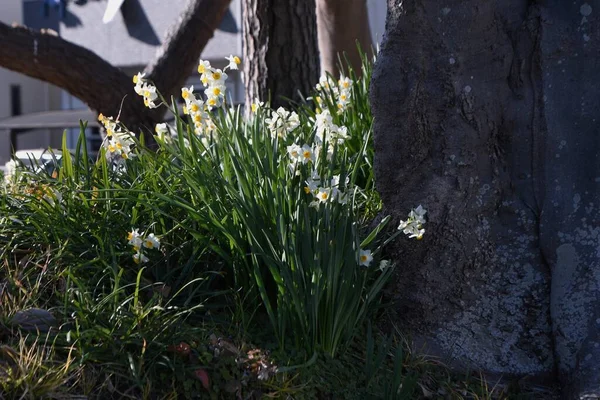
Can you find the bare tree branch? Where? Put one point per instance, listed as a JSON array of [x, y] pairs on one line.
[[183, 45], [102, 86], [77, 70]]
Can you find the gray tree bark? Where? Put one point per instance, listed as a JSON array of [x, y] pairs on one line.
[[341, 24], [281, 56], [487, 113]]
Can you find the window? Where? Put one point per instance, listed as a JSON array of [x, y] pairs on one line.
[[15, 100]]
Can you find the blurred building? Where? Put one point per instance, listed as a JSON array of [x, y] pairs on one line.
[[129, 41]]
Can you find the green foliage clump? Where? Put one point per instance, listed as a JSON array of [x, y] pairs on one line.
[[143, 256]]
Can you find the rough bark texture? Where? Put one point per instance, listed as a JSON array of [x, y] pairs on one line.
[[341, 24], [281, 57], [486, 113], [103, 87]]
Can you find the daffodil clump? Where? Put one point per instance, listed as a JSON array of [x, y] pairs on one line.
[[139, 242], [282, 187], [282, 122], [413, 226], [214, 79], [120, 141], [146, 90], [339, 94]]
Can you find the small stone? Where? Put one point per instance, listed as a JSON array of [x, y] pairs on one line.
[[33, 320], [452, 61], [467, 89]]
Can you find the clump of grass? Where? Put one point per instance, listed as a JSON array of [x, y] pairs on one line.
[[30, 369]]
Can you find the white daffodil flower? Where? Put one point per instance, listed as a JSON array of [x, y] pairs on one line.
[[203, 67], [135, 239], [323, 195], [365, 257], [234, 62], [139, 258], [152, 242], [294, 151], [312, 183], [257, 104], [188, 93], [384, 264], [161, 130], [307, 154]]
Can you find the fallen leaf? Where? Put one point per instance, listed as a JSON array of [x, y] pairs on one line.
[[202, 376]]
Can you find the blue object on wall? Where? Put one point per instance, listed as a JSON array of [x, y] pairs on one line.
[[60, 5]]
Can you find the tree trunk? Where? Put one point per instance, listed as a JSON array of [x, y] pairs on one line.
[[103, 87], [486, 113], [341, 24], [281, 57]]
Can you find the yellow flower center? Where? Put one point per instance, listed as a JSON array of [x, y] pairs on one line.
[[185, 93], [216, 76], [216, 91], [237, 60], [135, 79], [130, 236], [198, 118], [363, 258], [194, 107], [212, 102], [323, 195], [111, 148], [307, 154], [306, 190], [149, 244], [254, 107]]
